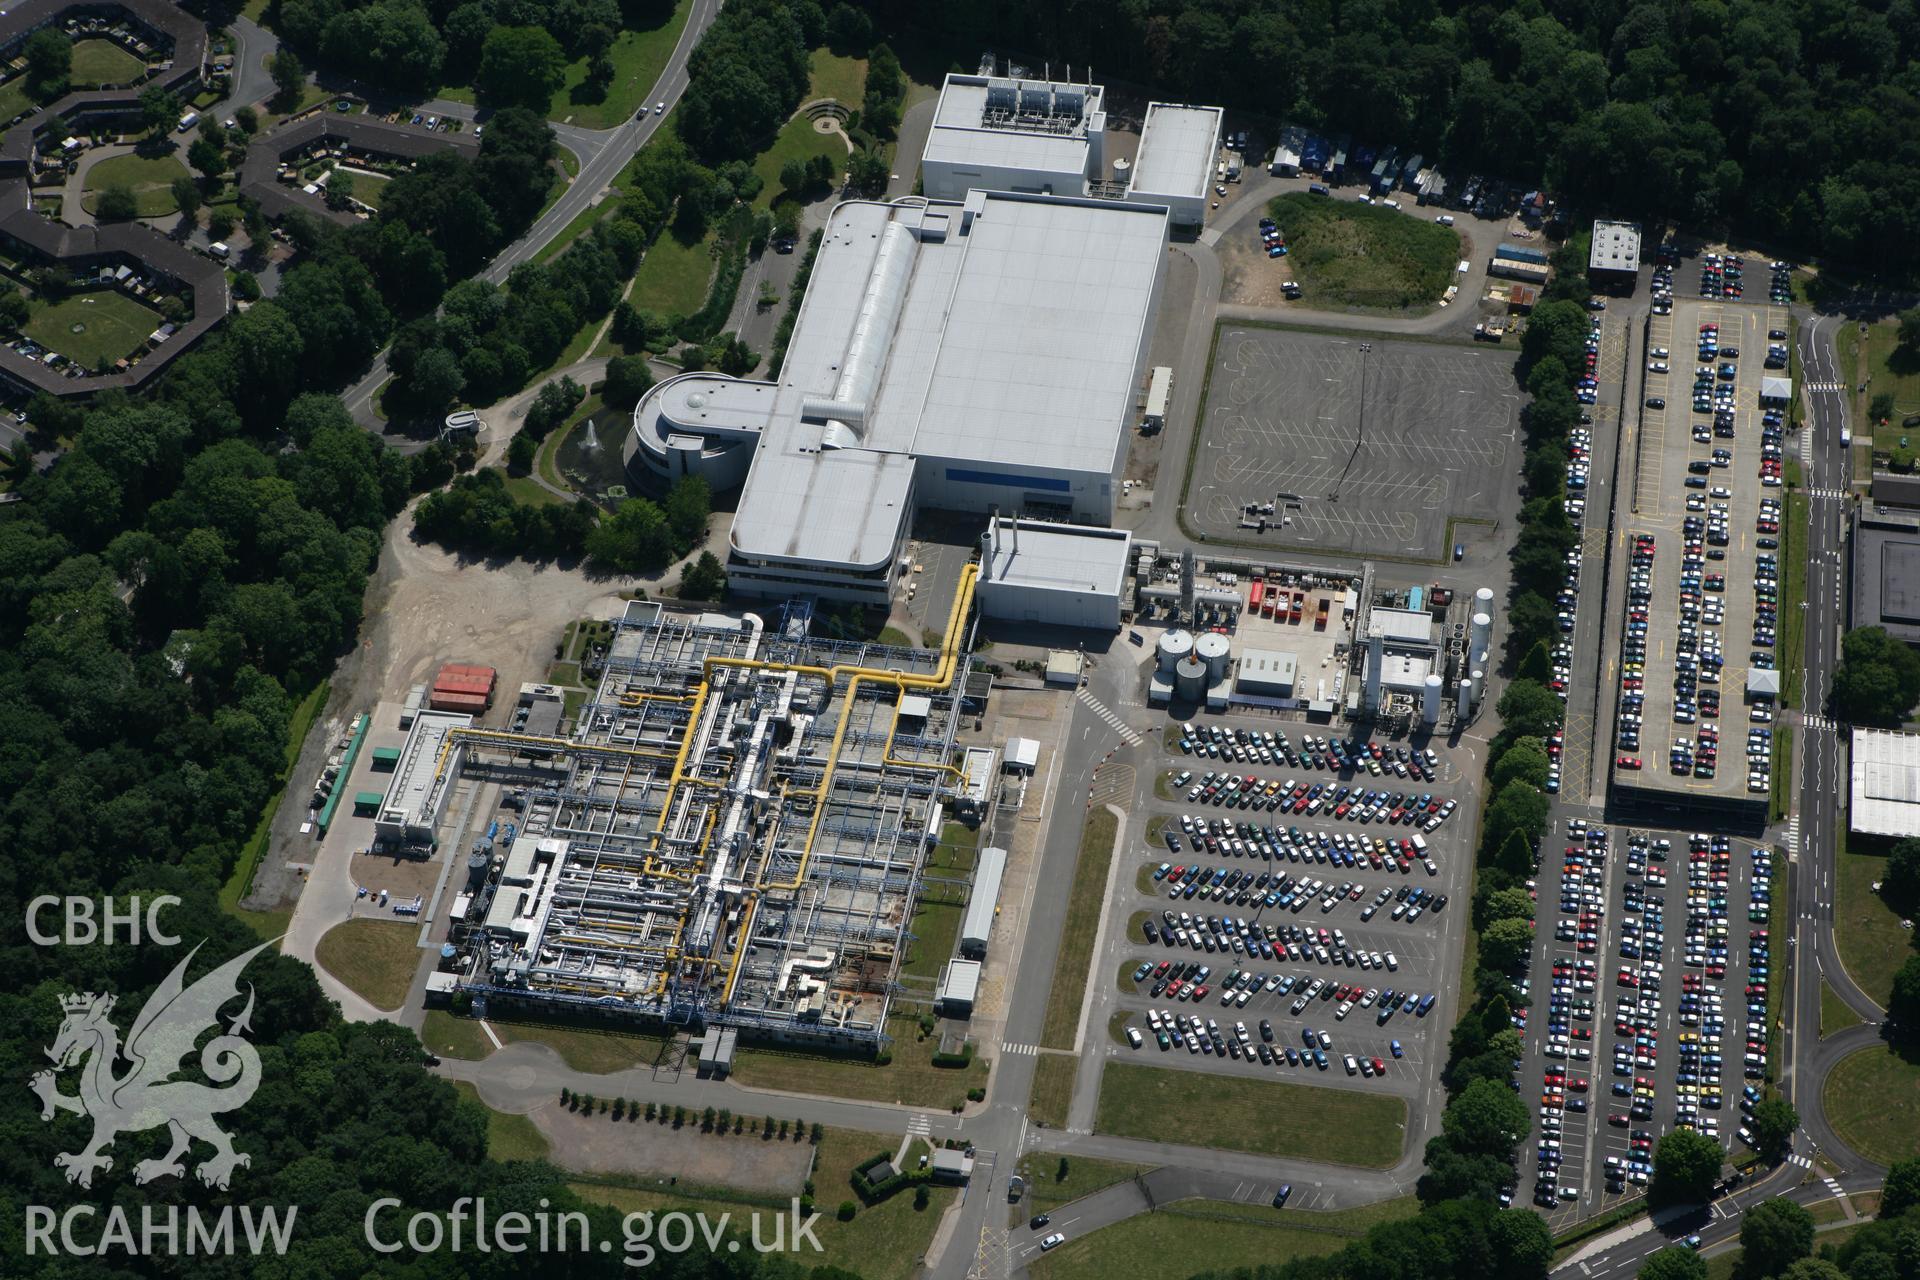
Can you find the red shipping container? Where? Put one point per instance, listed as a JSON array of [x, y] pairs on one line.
[[470, 702], [466, 669], [462, 684]]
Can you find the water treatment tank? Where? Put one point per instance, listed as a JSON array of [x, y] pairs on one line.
[[1212, 649], [477, 864], [1190, 680], [1174, 646]]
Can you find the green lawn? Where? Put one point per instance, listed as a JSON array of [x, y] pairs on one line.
[[1835, 1014], [103, 64], [1872, 1099], [310, 95], [587, 1049], [368, 187], [885, 1241], [798, 140], [1237, 1237], [958, 850], [672, 279], [842, 79], [1891, 370], [452, 1037], [1347, 254], [509, 1137], [150, 178], [376, 959], [1089, 891], [935, 925], [1867, 931], [103, 324], [13, 99], [1342, 1126], [527, 491], [910, 1079]]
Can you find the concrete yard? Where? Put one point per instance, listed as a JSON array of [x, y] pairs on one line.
[[1364, 445]]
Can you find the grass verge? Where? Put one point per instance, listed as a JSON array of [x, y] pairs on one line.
[[935, 926], [376, 959], [1866, 930], [1053, 1075], [1872, 1100], [509, 1137], [910, 1079], [1238, 1237], [1793, 625], [1341, 1126], [588, 1049], [1835, 1014], [797, 140], [452, 1037], [1780, 781], [1058, 1180], [1089, 883]]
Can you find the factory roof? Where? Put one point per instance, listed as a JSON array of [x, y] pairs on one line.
[[1177, 148], [1269, 666], [1402, 626], [1057, 557], [1616, 247], [1004, 331], [1886, 573], [960, 982], [995, 121], [1405, 673], [1886, 783]]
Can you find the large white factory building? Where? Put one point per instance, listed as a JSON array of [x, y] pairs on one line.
[[960, 355]]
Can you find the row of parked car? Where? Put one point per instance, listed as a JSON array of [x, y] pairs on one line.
[[1311, 799], [1257, 940], [1334, 755], [1173, 1030], [1223, 838]]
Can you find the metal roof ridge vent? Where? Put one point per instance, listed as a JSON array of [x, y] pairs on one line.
[[873, 329]]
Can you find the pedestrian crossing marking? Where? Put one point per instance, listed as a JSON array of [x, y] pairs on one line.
[[1114, 722], [1024, 1050], [1814, 720], [1799, 1161], [1824, 386], [1793, 834], [1836, 494], [919, 1124]]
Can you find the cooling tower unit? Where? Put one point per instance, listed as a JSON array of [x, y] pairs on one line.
[[1212, 649], [1190, 680]]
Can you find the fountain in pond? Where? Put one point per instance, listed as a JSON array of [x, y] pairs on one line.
[[596, 472]]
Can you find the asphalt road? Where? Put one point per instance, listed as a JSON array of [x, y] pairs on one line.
[[610, 150]]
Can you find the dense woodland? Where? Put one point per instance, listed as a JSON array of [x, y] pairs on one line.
[[1797, 124]]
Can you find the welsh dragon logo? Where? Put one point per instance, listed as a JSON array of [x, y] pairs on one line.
[[147, 1096]]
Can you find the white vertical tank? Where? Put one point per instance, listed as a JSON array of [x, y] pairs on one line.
[[1174, 645], [1481, 633], [1430, 700], [1463, 699], [1483, 601], [1479, 683], [1212, 649]]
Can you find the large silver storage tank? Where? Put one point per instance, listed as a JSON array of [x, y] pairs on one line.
[[1430, 700], [1174, 646], [1482, 631], [1483, 601], [1212, 649], [1190, 680]]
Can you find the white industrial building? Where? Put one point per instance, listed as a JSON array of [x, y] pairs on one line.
[[963, 356], [1175, 164], [1885, 797], [1056, 574], [997, 133], [959, 988], [1267, 673], [415, 796], [976, 928]]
